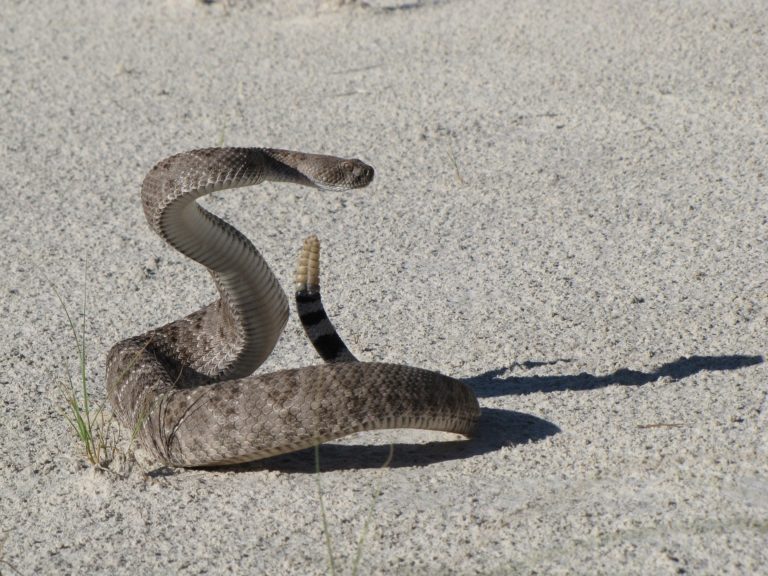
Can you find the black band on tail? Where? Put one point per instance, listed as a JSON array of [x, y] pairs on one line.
[[319, 328]]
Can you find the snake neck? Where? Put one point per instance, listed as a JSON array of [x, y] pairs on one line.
[[232, 337]]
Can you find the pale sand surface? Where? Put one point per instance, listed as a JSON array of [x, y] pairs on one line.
[[569, 213]]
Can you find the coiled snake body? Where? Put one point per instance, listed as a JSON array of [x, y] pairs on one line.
[[188, 389]]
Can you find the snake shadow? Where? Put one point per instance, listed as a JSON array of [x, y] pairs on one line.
[[496, 428], [495, 383]]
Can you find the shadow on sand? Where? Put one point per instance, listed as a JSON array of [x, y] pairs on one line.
[[493, 382], [496, 428]]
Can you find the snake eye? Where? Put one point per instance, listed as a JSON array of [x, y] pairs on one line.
[[362, 172]]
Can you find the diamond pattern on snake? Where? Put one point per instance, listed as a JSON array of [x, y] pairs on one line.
[[189, 387]]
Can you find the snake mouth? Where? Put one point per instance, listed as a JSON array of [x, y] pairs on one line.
[[364, 174]]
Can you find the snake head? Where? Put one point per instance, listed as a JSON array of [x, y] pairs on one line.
[[320, 171], [331, 173], [340, 174]]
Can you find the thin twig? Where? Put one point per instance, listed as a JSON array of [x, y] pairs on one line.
[[326, 532], [369, 515]]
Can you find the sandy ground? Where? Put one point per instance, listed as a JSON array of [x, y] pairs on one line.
[[569, 214]]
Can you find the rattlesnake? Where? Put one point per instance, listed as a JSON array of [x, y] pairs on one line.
[[187, 388]]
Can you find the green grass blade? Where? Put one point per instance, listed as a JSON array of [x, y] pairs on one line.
[[80, 416], [83, 378], [72, 326]]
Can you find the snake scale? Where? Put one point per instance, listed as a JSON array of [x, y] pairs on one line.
[[187, 388]]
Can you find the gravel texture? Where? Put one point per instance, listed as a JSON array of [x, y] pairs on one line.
[[569, 213]]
